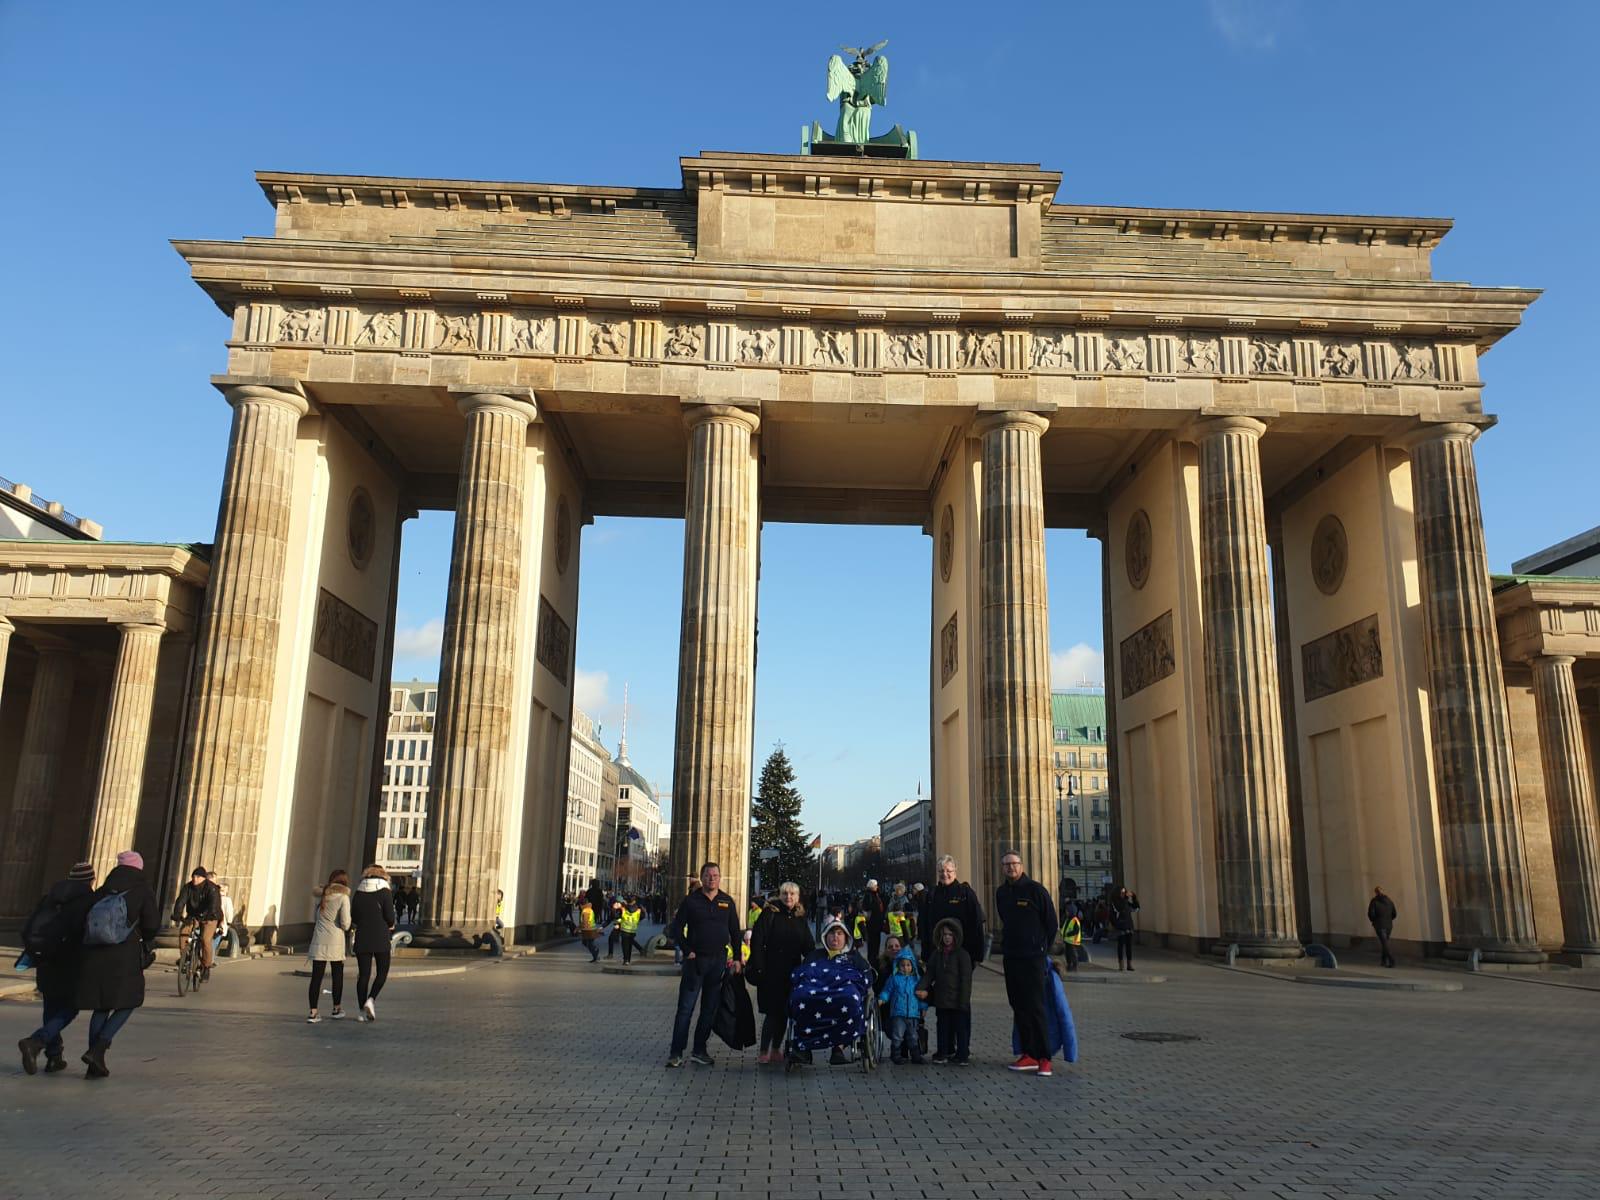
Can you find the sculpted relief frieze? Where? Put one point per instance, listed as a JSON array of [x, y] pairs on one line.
[[820, 345]]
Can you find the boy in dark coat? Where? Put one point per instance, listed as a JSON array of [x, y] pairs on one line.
[[947, 986], [58, 921], [111, 977]]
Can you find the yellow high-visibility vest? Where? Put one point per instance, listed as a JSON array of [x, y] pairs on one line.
[[861, 926], [586, 917], [897, 923], [1072, 932], [755, 915], [629, 920]]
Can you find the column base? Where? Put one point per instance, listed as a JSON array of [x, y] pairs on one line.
[[1496, 954], [1259, 949], [1578, 956]]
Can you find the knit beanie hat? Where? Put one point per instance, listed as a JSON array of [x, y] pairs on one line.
[[131, 858], [81, 871]]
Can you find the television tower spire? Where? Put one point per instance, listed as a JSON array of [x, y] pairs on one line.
[[622, 743]]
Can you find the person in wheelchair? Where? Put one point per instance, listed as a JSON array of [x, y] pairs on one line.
[[831, 990]]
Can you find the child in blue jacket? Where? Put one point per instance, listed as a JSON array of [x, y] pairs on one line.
[[905, 1010]]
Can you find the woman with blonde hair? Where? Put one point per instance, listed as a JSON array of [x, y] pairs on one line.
[[372, 914], [782, 939], [332, 922]]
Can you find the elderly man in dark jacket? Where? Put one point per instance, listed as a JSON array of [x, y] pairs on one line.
[[951, 900], [111, 975], [1027, 917], [52, 937]]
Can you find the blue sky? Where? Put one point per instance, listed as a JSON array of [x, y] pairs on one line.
[[127, 125]]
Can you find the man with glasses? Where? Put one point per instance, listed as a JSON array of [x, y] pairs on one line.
[[1028, 926]]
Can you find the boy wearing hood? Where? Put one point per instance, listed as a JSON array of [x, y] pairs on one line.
[[903, 998], [948, 987]]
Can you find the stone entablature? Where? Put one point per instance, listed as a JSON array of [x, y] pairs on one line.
[[1547, 615], [117, 583]]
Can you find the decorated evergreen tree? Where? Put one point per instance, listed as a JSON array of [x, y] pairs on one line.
[[775, 824]]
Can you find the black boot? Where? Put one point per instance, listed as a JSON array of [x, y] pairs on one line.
[[95, 1058], [31, 1048], [52, 1065]]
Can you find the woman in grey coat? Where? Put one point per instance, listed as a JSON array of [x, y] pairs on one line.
[[332, 917]]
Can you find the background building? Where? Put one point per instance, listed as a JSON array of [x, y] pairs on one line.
[[1577, 557], [580, 846], [32, 518], [638, 825], [407, 762], [1083, 803], [905, 834]]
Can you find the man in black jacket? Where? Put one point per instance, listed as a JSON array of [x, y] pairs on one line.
[[199, 901], [951, 900], [706, 927], [1027, 917], [52, 935], [1382, 912]]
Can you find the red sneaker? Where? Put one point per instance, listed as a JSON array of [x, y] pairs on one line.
[[1044, 1068], [1025, 1063]]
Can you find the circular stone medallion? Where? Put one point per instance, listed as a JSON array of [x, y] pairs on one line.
[[563, 535], [361, 527], [1138, 549], [947, 542], [1330, 554]]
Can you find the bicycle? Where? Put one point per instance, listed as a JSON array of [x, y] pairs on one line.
[[190, 961]]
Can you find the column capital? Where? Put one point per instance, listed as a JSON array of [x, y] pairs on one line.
[[1552, 660], [727, 414], [1011, 418], [155, 627], [280, 391], [1440, 431], [1209, 425], [516, 401]]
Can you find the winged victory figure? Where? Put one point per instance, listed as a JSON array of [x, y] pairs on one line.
[[858, 87]]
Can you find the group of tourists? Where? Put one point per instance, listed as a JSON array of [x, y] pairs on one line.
[[616, 917], [812, 988], [362, 918]]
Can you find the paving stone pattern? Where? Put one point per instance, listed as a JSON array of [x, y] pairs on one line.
[[544, 1077]]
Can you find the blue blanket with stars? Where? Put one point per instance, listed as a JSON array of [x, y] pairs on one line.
[[828, 1003]]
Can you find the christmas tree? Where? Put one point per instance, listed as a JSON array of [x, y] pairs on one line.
[[775, 825]]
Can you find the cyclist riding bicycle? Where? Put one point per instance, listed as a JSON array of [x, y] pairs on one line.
[[199, 903]]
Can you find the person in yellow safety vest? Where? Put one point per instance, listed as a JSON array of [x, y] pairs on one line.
[[589, 931], [1071, 940], [628, 920], [897, 924], [859, 927]]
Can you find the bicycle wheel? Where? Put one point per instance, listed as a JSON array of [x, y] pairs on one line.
[[184, 954], [869, 1039], [196, 969]]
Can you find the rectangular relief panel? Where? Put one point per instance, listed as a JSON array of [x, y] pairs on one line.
[[1147, 656], [1342, 659], [553, 641], [949, 651], [345, 636]]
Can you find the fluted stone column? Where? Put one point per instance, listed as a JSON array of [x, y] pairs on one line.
[[1249, 789], [477, 672], [1014, 640], [1569, 792], [122, 754], [225, 752], [716, 664], [6, 629], [1485, 870], [33, 799]]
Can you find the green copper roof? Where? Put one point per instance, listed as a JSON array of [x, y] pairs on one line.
[[1079, 718]]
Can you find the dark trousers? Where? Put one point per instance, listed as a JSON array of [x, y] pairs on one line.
[[1383, 945], [773, 1025], [874, 937], [701, 980], [58, 1014], [365, 962], [317, 968], [628, 942], [1125, 946], [1025, 992], [106, 1024], [955, 1033]]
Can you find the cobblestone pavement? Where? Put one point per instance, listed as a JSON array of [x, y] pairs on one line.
[[544, 1077]]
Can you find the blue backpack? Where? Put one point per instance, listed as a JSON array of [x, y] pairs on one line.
[[107, 923]]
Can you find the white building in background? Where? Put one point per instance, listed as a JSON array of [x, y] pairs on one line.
[[407, 764], [905, 833], [638, 813], [1577, 557], [580, 844], [29, 518]]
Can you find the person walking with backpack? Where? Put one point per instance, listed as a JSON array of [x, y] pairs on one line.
[[118, 933], [332, 917], [372, 913], [52, 937]]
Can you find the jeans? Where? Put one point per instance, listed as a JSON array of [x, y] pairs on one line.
[[1072, 956], [701, 980], [1383, 946], [106, 1024], [364, 965], [903, 1037], [317, 969], [593, 946], [58, 1014], [955, 1033], [1025, 991], [628, 942]]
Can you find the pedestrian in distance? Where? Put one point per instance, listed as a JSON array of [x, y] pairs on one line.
[[1382, 913], [118, 937], [1125, 904], [589, 929], [707, 922], [1027, 918], [1071, 938], [628, 922], [780, 943], [872, 907], [330, 924], [901, 994], [947, 986], [372, 915], [52, 937], [225, 931]]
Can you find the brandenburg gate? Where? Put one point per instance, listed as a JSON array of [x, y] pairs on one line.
[[1267, 419]]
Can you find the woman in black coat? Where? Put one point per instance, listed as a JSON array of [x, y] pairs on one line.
[[782, 938], [372, 916], [111, 978]]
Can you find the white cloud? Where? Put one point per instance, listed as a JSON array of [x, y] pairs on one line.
[[1248, 24], [589, 692], [421, 641], [1079, 665]]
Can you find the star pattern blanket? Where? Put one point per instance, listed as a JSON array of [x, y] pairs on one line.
[[828, 1003]]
